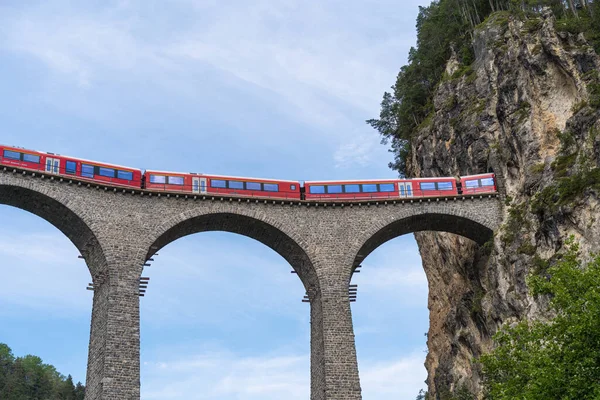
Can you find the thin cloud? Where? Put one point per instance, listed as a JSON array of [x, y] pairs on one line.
[[227, 376], [41, 272], [312, 62], [395, 379], [260, 280]]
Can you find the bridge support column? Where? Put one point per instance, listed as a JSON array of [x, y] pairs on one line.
[[334, 367], [113, 371]]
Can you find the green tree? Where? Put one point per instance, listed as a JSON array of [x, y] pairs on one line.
[[28, 378], [559, 359], [79, 391], [66, 390], [6, 361]]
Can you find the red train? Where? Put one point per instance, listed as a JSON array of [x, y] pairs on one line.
[[116, 175], [217, 184]]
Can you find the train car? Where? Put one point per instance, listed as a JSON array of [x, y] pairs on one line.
[[174, 182], [222, 185], [475, 184], [355, 190], [380, 189], [23, 158], [70, 166], [112, 174], [434, 187]]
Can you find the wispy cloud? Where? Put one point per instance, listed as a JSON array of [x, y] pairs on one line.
[[316, 63], [395, 379], [394, 266], [227, 375], [261, 281], [41, 271]]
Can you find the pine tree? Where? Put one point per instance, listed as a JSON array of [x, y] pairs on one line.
[[28, 378]]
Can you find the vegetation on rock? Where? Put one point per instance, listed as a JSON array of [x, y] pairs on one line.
[[28, 378], [560, 358], [446, 27]]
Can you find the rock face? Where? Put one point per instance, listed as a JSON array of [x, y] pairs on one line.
[[526, 110]]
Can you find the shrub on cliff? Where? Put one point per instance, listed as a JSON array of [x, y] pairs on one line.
[[559, 359]]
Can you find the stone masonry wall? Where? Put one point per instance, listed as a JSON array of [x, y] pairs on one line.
[[117, 230]]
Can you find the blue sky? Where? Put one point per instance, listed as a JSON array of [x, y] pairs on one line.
[[276, 89]]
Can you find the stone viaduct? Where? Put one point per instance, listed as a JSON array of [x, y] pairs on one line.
[[118, 230]]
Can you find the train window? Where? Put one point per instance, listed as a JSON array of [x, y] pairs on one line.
[[71, 167], [158, 179], [31, 158], [402, 190], [87, 170], [472, 184], [427, 185], [334, 189], [352, 188], [217, 183], [369, 188], [127, 175], [293, 187], [317, 189], [15, 155], [175, 180], [386, 187], [253, 186], [444, 185], [487, 182], [236, 185], [271, 187], [108, 172]]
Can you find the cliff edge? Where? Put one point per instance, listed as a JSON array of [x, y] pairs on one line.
[[528, 109]]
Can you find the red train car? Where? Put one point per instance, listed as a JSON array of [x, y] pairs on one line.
[[475, 184], [349, 190], [434, 187], [70, 166], [222, 185], [22, 158], [380, 189]]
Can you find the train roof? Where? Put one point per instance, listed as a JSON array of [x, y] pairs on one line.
[[474, 176], [92, 161], [219, 176]]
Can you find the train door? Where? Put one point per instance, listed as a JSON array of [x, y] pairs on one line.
[[198, 185], [52, 165], [405, 189]]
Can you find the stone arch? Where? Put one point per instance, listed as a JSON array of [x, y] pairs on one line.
[[253, 225], [440, 222], [55, 210]]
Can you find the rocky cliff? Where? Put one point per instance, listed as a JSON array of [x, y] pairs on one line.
[[528, 110]]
